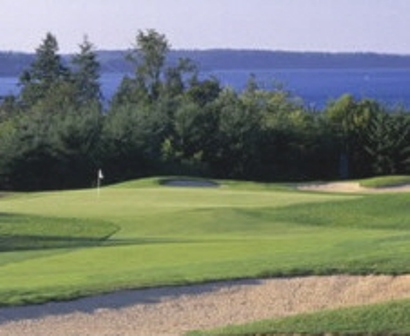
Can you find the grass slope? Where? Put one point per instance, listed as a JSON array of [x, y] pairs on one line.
[[385, 181], [61, 245], [26, 232]]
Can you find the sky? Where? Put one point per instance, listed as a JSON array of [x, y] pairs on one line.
[[381, 26]]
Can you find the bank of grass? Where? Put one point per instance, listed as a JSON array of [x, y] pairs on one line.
[[144, 234], [382, 319], [27, 232], [225, 184], [385, 181]]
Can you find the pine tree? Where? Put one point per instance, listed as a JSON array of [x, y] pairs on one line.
[[45, 73], [87, 74], [387, 144]]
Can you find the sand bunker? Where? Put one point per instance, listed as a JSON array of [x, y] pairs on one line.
[[350, 187], [189, 183], [175, 310]]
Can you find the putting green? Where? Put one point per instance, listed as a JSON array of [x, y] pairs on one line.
[[143, 234]]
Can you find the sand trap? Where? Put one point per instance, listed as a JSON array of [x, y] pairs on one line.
[[189, 183], [175, 310], [350, 187]]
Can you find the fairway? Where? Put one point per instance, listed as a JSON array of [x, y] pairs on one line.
[[63, 245]]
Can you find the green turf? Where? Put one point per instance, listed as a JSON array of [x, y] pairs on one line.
[[27, 232], [385, 181], [61, 245], [381, 319]]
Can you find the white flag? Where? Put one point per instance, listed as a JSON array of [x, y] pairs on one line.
[[100, 174]]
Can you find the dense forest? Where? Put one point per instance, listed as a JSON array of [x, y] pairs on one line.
[[165, 119]]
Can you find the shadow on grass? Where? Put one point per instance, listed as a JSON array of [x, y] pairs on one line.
[[32, 243], [28, 232], [118, 300], [25, 243]]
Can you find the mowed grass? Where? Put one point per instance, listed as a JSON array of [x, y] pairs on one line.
[[62, 245], [27, 232], [380, 319], [385, 181]]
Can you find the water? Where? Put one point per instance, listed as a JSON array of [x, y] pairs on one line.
[[315, 87], [8, 85]]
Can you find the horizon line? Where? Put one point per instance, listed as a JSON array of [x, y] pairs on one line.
[[266, 50]]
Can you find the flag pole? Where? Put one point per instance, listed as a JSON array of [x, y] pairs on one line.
[[99, 178]]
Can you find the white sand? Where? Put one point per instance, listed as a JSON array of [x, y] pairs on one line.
[[350, 187]]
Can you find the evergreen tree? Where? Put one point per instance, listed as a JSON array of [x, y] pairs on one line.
[[8, 107], [387, 144], [86, 74], [45, 73]]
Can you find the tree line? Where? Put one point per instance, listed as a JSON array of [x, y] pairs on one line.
[[166, 119]]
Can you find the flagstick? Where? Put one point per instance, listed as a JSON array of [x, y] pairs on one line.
[[99, 178], [98, 186]]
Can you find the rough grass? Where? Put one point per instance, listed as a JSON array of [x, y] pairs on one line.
[[381, 319], [63, 245]]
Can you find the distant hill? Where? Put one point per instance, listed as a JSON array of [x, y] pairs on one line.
[[12, 64], [256, 59]]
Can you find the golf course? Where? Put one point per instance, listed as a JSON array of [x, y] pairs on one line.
[[149, 233]]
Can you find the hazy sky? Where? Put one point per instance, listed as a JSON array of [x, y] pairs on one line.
[[298, 25]]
